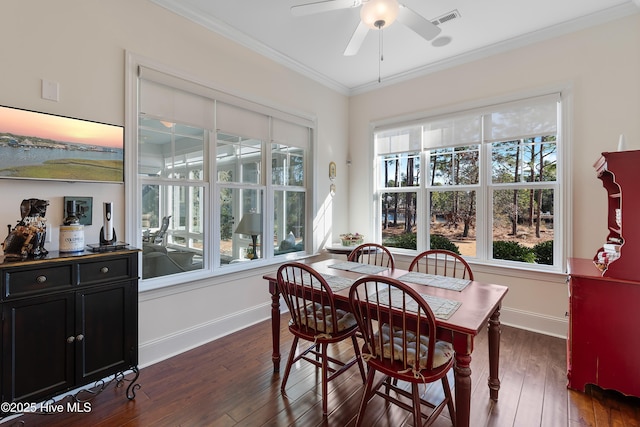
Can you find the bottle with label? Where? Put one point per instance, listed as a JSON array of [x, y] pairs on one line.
[[71, 232]]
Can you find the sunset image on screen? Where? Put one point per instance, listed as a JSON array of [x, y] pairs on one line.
[[64, 129], [36, 145]]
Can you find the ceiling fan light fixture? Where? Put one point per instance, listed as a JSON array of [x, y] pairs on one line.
[[378, 14]]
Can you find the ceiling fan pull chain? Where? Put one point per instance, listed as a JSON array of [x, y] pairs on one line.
[[380, 54]]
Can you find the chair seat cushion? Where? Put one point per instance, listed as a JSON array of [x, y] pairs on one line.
[[319, 318], [442, 353]]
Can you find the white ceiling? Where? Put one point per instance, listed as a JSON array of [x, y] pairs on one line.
[[313, 45]]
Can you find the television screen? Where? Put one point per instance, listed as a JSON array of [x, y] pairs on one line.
[[37, 145]]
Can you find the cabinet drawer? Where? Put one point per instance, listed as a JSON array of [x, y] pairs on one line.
[[105, 270], [19, 283]]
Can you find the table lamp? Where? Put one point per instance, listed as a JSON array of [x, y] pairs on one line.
[[251, 224]]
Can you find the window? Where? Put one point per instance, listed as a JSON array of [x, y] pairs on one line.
[[220, 181], [483, 183]]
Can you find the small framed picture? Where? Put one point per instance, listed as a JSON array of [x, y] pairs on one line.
[[332, 170], [84, 208]]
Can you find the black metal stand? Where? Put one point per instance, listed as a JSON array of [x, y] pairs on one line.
[[78, 400]]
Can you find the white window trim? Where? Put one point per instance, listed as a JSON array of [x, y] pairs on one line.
[[133, 210], [562, 203]]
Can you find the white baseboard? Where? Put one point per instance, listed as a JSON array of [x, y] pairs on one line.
[[174, 344], [535, 322], [171, 345]]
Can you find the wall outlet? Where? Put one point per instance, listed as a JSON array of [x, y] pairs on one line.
[[50, 90], [48, 236]]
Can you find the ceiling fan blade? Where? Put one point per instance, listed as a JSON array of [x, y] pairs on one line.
[[322, 6], [422, 26], [356, 39]]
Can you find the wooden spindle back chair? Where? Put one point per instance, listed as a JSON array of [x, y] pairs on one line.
[[399, 332], [374, 254], [442, 263], [315, 318]]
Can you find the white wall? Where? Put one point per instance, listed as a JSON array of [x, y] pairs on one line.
[[82, 45], [600, 67]]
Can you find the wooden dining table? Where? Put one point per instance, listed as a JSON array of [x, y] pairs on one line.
[[479, 307]]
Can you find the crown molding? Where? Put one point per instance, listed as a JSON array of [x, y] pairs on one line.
[[557, 30], [243, 39]]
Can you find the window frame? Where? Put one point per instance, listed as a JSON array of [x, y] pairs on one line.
[[485, 187], [211, 222]]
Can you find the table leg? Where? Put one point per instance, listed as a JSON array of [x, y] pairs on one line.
[[463, 389], [494, 354], [463, 345], [275, 325]]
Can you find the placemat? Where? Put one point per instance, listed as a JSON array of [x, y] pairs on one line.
[[357, 267], [442, 308], [336, 283], [444, 282]]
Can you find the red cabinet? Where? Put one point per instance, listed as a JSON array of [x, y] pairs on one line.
[[618, 257], [603, 346]]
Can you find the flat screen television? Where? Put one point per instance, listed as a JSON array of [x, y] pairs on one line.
[[35, 145]]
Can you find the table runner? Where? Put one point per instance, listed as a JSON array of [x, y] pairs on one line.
[[442, 308], [357, 267], [451, 283]]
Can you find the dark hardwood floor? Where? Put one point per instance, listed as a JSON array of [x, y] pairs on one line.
[[230, 382]]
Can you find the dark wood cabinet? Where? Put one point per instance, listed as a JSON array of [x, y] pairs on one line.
[[67, 321]]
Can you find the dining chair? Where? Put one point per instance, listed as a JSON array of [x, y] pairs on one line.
[[442, 263], [160, 236], [314, 318], [399, 332], [372, 253]]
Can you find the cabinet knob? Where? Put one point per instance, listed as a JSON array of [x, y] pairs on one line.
[[80, 337], [104, 270], [41, 279], [71, 339]]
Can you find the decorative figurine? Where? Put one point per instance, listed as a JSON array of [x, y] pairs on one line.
[[28, 236]]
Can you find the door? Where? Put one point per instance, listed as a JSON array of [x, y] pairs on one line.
[[106, 331], [38, 347]]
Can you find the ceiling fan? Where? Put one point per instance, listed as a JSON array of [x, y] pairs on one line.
[[374, 14]]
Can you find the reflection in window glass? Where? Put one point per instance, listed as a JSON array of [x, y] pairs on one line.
[[523, 225], [289, 222], [241, 225], [287, 165], [192, 147], [171, 229], [171, 163], [399, 214], [453, 215], [169, 150], [238, 159]]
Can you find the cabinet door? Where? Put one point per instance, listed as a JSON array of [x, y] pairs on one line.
[[37, 347], [604, 345], [106, 331]]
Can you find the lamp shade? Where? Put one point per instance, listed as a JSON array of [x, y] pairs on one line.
[[250, 224], [377, 14]]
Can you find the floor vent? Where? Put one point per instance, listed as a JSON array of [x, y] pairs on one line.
[[454, 14]]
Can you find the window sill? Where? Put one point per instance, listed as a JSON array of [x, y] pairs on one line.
[[184, 282], [499, 269]]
